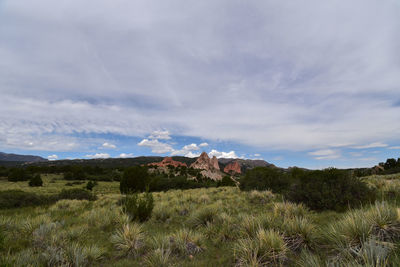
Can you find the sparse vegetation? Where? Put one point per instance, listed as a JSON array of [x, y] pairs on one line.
[[218, 226]]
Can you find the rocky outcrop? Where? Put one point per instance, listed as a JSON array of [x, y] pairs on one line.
[[168, 161], [233, 168], [203, 162], [214, 163], [209, 167]]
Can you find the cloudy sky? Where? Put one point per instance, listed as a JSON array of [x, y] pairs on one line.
[[307, 83]]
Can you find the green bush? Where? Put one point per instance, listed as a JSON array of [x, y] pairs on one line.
[[139, 208], [76, 193], [330, 189], [18, 174], [135, 179], [226, 181], [36, 180], [16, 198], [264, 178], [90, 185]]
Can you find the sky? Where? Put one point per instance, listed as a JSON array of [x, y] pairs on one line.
[[297, 83]]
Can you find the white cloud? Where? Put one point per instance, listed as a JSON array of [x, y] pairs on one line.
[[163, 135], [52, 157], [126, 155], [394, 147], [257, 155], [109, 146], [203, 145], [187, 151], [371, 145], [221, 154], [156, 146], [99, 156], [325, 154], [190, 154]]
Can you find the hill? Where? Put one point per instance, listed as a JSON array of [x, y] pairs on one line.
[[20, 158]]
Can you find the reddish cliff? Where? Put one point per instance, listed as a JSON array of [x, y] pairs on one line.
[[233, 167], [168, 161]]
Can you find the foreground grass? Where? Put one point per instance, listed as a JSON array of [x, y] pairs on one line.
[[199, 227]]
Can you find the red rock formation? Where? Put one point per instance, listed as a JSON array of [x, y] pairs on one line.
[[233, 167], [168, 161], [214, 163]]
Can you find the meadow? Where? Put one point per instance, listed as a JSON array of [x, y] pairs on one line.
[[220, 226]]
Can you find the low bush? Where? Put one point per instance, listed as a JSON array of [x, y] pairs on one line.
[[18, 174], [90, 185], [226, 181], [76, 193], [16, 198], [135, 179], [139, 208], [36, 180], [330, 189]]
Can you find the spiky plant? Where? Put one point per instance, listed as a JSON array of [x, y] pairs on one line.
[[249, 226], [289, 209], [308, 259], [204, 199], [186, 242], [129, 240], [265, 249], [204, 215], [158, 258], [299, 233], [162, 213], [373, 253], [384, 221], [260, 197]]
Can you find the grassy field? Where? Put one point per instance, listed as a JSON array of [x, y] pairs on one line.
[[199, 227]]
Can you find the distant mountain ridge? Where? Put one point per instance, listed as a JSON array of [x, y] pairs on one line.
[[20, 158]]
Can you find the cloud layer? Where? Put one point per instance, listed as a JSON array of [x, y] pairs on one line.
[[272, 75]]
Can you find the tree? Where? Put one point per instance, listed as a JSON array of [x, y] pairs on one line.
[[263, 178], [330, 189], [18, 174], [36, 180], [135, 179]]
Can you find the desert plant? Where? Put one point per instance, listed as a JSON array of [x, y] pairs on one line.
[[202, 216], [384, 221], [162, 213], [260, 197], [129, 240], [36, 180], [265, 249], [138, 207], [76, 193], [186, 242], [288, 209], [89, 186], [160, 257], [299, 233]]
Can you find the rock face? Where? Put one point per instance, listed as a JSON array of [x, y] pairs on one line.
[[205, 163], [168, 161], [209, 167], [214, 163], [233, 168]]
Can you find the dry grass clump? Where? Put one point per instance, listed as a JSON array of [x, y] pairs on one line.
[[288, 209], [204, 199], [299, 233], [103, 217], [186, 242], [225, 228], [260, 197], [267, 248], [129, 240], [69, 205], [385, 221], [160, 257], [162, 212], [203, 216], [249, 225]]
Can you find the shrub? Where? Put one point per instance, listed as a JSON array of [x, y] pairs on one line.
[[76, 193], [90, 185], [135, 179], [36, 180], [16, 198], [226, 181], [129, 240], [330, 189], [138, 208], [264, 178], [18, 174]]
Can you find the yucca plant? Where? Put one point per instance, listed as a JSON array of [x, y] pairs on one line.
[[267, 248], [129, 240], [260, 197], [249, 226], [289, 209], [308, 259], [158, 258], [203, 216], [384, 221], [162, 213], [299, 233], [373, 253], [186, 242]]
